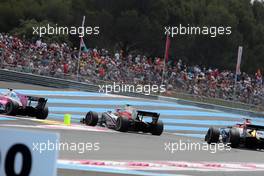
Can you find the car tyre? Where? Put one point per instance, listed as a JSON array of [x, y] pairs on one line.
[[212, 135], [91, 118], [42, 113], [234, 138], [250, 143], [158, 128], [11, 108], [122, 124]]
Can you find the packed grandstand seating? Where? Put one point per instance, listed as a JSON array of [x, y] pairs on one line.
[[60, 60]]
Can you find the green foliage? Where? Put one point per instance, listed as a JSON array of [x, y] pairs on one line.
[[137, 26]]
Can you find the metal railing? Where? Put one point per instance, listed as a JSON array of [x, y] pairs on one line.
[[217, 101], [58, 82]]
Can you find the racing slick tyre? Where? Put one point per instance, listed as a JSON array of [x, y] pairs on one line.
[[11, 108], [250, 143], [212, 135], [234, 138], [122, 124], [91, 118], [157, 129], [42, 113]]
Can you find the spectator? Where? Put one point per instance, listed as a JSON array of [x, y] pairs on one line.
[[60, 60]]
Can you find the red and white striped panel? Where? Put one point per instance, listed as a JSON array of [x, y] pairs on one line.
[[168, 165], [62, 127], [76, 127]]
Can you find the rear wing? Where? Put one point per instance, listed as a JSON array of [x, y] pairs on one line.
[[154, 115], [41, 101]]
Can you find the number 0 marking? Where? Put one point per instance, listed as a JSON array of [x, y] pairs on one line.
[[26, 160]]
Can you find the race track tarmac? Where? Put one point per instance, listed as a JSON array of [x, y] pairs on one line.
[[140, 154]]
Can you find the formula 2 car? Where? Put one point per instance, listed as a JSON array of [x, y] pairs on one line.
[[14, 103], [127, 119], [240, 135]]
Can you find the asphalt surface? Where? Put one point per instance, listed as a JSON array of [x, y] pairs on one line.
[[116, 146]]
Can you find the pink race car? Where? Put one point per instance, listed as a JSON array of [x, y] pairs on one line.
[[14, 103]]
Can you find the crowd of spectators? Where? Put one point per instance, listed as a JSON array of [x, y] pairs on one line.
[[96, 65]]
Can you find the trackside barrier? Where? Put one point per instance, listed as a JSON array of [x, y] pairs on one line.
[[218, 101], [29, 78], [214, 107]]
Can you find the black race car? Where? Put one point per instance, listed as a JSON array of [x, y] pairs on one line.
[[127, 119], [240, 135]]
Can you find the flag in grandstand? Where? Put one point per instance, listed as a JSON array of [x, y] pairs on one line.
[[83, 46], [167, 47], [239, 56]]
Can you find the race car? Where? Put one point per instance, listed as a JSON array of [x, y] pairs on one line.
[[126, 119], [14, 103], [240, 135]]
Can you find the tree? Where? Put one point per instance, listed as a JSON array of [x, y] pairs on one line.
[[137, 26]]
